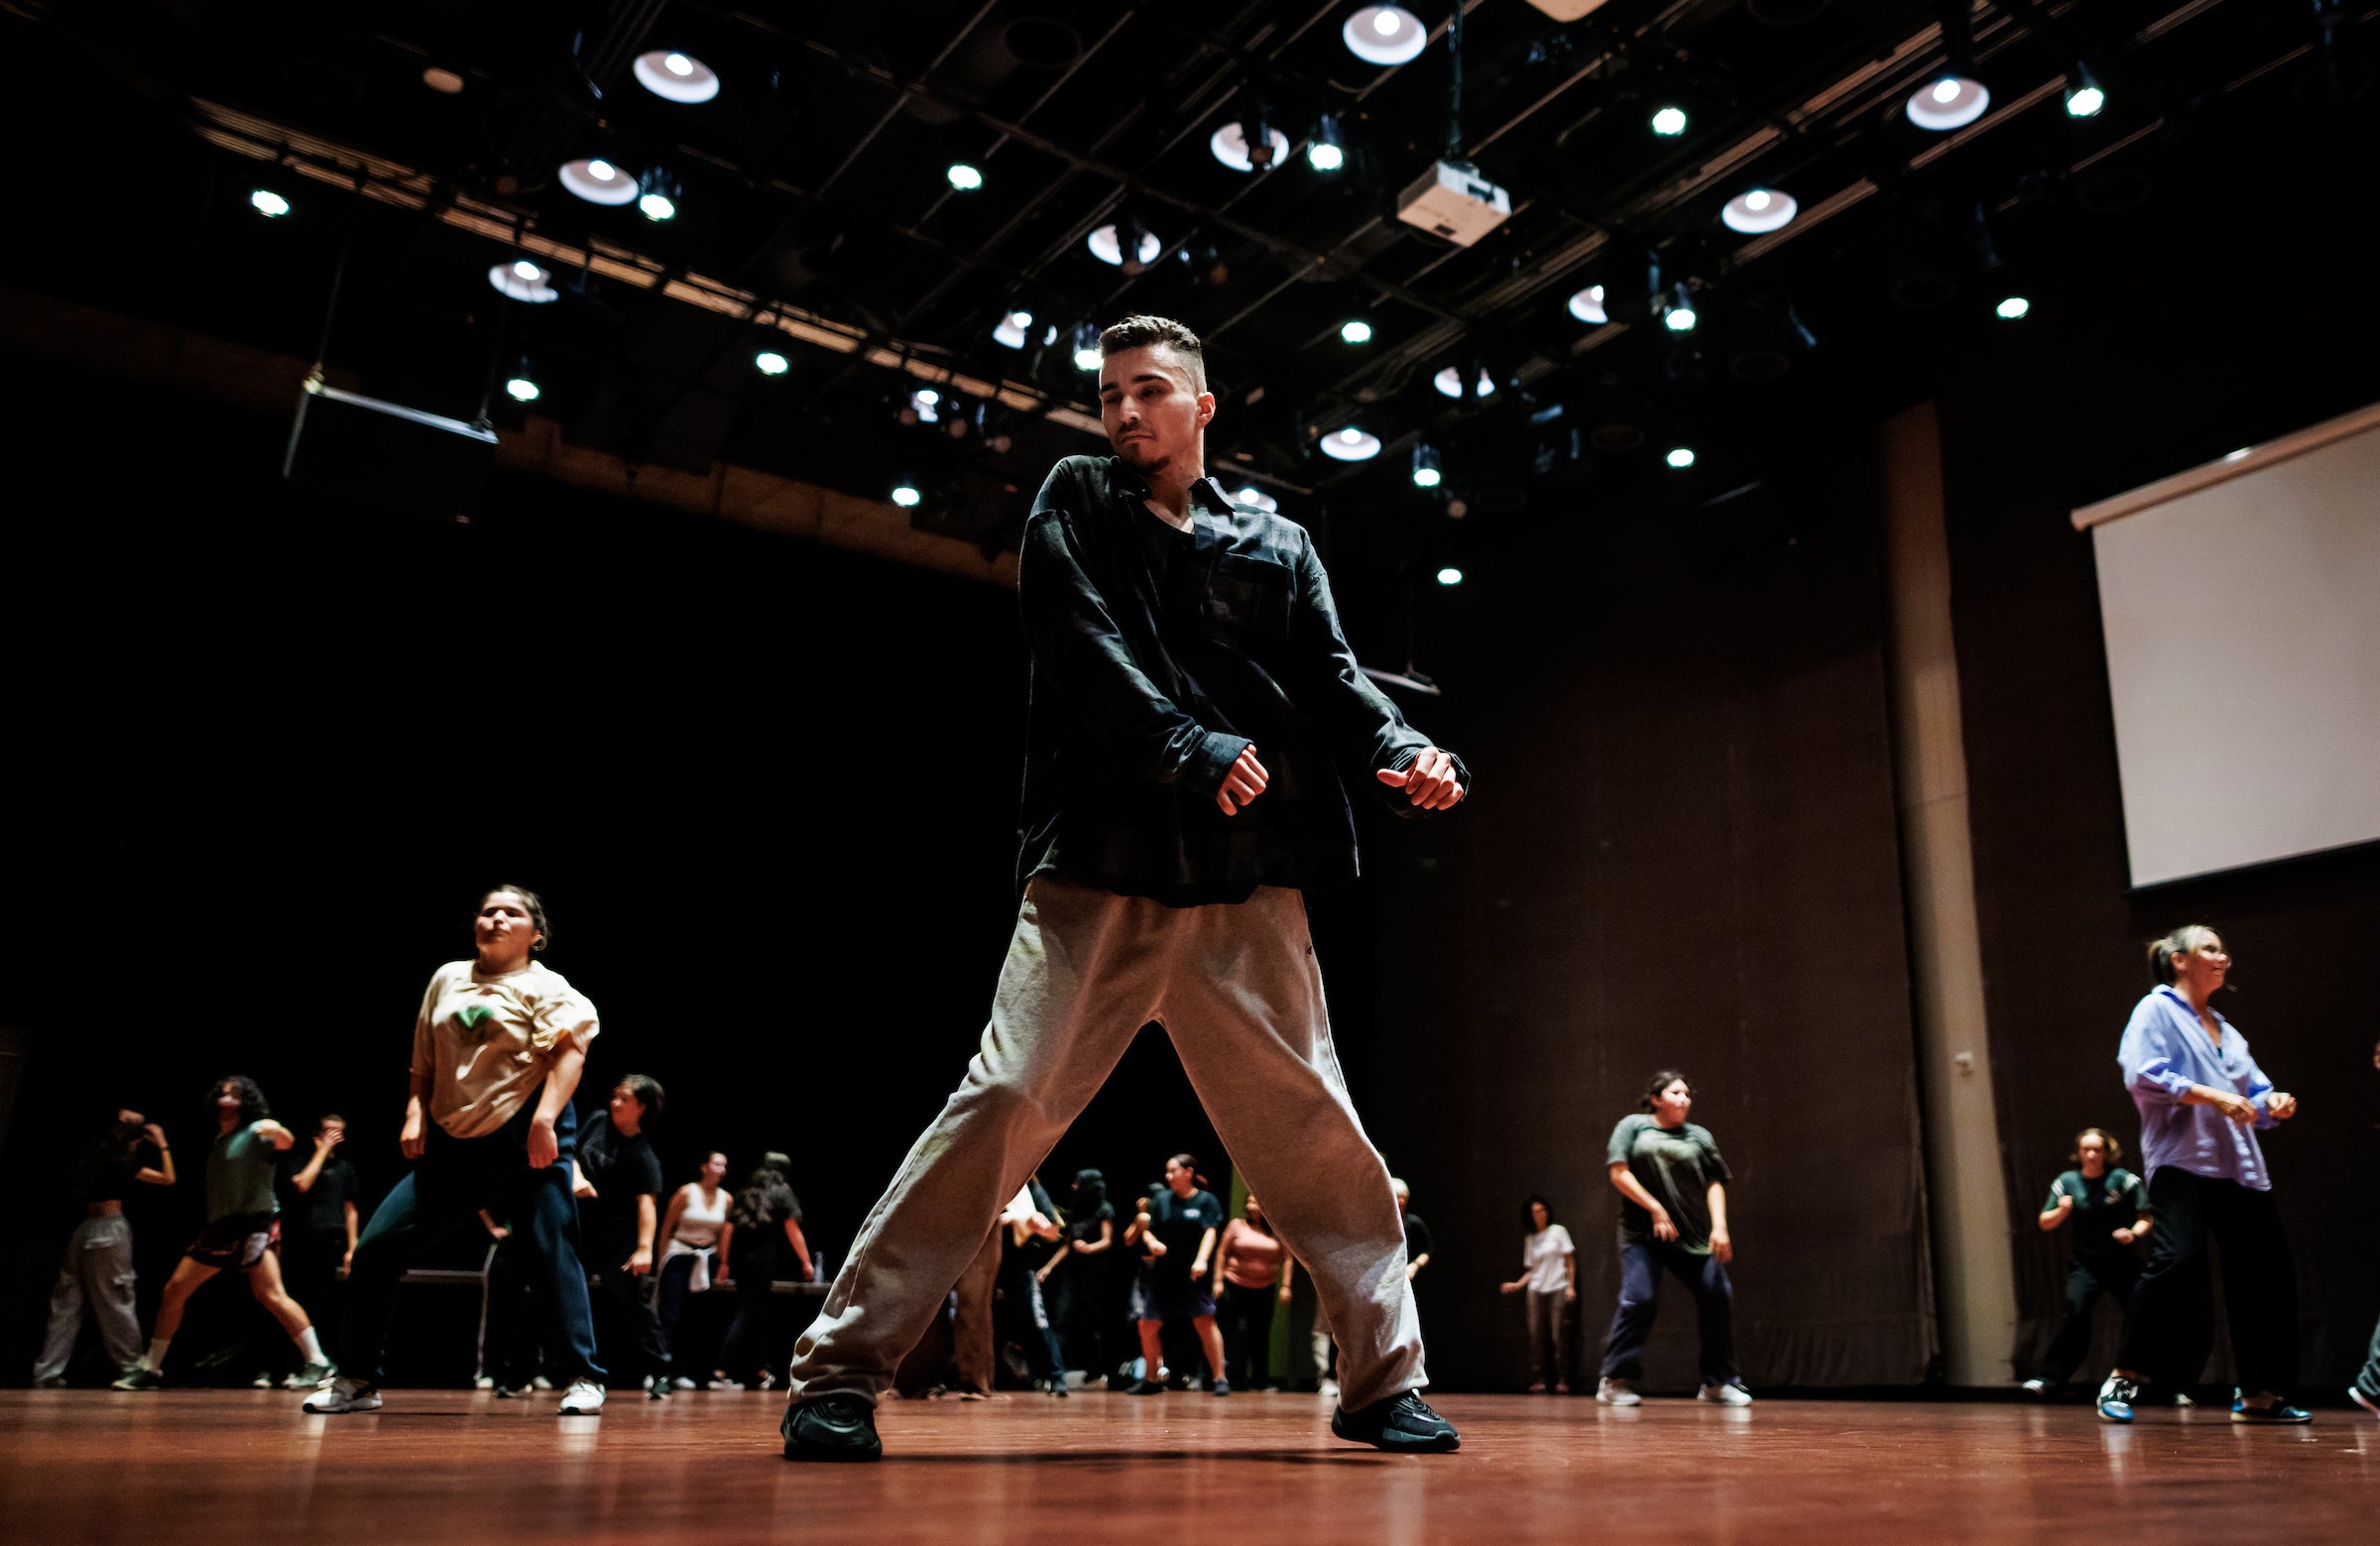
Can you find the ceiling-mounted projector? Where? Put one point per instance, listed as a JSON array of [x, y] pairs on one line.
[[1455, 201]]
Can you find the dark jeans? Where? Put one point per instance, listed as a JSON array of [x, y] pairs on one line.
[[1704, 1277], [1247, 1318], [1077, 1296], [508, 1320], [2169, 1330], [670, 1300], [454, 1179], [2085, 1280], [745, 1352], [1023, 1316], [632, 1328]]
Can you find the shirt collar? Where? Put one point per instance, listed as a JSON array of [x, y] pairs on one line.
[[1205, 494], [2181, 1003]]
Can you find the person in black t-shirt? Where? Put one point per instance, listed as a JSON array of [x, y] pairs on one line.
[[97, 1270], [2109, 1208], [1180, 1229], [619, 1188], [764, 1227], [1075, 1279], [321, 1221]]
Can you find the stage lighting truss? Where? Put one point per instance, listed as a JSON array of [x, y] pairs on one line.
[[1385, 35], [1588, 307], [1231, 147], [599, 181], [1351, 445], [523, 280], [1757, 211], [675, 76], [1448, 383]]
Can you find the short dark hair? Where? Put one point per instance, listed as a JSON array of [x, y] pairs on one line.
[[535, 904], [2107, 1145], [649, 1094], [1660, 1082], [1141, 332], [326, 1119]]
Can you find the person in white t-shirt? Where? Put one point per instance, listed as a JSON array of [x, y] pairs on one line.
[[690, 1254], [498, 1051], [1550, 1277]]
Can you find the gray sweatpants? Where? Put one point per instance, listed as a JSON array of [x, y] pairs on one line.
[[97, 1272], [1236, 987]]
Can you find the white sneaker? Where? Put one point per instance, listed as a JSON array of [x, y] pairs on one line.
[[261, 1383], [1617, 1392], [483, 1382], [1724, 1395], [346, 1395], [2037, 1387], [584, 1398]]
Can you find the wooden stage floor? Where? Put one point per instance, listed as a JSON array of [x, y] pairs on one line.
[[457, 1469]]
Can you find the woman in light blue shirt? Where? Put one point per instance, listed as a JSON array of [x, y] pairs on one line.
[[2203, 1101]]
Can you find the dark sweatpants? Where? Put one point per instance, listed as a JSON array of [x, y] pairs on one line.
[[1245, 1315], [454, 1179], [2085, 1280], [2169, 1329], [1704, 1277]]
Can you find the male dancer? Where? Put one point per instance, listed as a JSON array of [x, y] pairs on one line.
[[1164, 859]]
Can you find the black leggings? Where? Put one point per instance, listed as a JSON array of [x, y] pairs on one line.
[[2169, 1329], [1246, 1317], [2085, 1280]]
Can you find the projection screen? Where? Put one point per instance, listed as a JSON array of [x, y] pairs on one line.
[[2240, 603]]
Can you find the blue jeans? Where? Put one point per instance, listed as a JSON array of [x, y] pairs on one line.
[[1704, 1277], [454, 1179]]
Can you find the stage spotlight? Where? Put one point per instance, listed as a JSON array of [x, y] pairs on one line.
[[905, 495], [925, 406], [2083, 94], [1448, 383], [679, 77], [524, 281], [268, 203], [1425, 467], [1588, 307], [1233, 147], [1107, 247], [1385, 35], [1677, 309], [770, 363], [964, 177], [1949, 102], [1325, 152], [598, 181], [520, 387], [1354, 330], [1680, 457], [1252, 495], [1086, 346], [1010, 330], [1351, 445], [1669, 122], [658, 196], [1450, 577], [2012, 307], [1759, 211]]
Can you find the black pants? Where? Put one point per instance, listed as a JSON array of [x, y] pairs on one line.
[[745, 1352], [1077, 1296], [1247, 1318], [2085, 1280], [2169, 1330], [628, 1327]]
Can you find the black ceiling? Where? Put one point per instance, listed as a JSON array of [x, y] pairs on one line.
[[813, 192]]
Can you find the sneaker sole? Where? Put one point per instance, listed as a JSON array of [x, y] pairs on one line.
[[2258, 1420], [1390, 1444]]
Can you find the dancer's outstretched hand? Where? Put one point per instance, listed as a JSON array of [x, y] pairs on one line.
[[1244, 781], [2282, 1104], [1428, 782]]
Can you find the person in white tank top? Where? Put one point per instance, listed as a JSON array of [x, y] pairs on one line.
[[691, 1228]]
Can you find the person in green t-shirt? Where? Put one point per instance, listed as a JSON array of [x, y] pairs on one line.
[[242, 1234], [2109, 1209], [1674, 1218]]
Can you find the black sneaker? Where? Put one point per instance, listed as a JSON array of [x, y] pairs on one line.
[[1400, 1423], [1148, 1388], [836, 1426], [1221, 1386]]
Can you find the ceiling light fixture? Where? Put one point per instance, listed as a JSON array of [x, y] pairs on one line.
[[443, 81], [1759, 211], [925, 406], [1677, 309], [1450, 575], [522, 387], [770, 363], [1326, 152], [905, 495], [1010, 330], [1953, 97], [1087, 356], [1107, 247], [965, 177], [1354, 330], [676, 77], [1351, 445], [523, 280], [656, 199], [1425, 468], [1232, 146], [598, 181], [1448, 383], [2011, 309], [2085, 96], [268, 203], [1669, 122], [1681, 457], [1385, 35], [1252, 495]]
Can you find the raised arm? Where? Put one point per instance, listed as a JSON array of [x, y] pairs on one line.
[[1076, 643], [160, 1173], [305, 1179], [273, 1132]]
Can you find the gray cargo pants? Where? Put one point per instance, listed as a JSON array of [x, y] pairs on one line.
[[1236, 987], [97, 1272]]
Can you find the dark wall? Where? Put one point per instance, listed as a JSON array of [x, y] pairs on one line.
[[2144, 381], [266, 748], [1683, 853]]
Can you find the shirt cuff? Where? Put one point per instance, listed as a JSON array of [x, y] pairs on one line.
[[1216, 752]]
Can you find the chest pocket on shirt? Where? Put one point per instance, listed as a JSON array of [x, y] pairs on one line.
[[1250, 593]]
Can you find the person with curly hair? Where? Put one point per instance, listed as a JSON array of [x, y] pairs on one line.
[[242, 1234], [2109, 1209]]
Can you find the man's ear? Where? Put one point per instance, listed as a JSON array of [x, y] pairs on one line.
[[1206, 409]]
